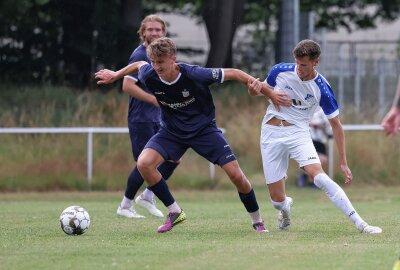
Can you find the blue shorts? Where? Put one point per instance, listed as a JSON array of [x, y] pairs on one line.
[[210, 143], [140, 134]]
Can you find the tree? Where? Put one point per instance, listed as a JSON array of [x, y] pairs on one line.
[[28, 40], [221, 17], [59, 41], [351, 14], [63, 42]]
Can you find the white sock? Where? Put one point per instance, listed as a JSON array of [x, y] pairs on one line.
[[174, 208], [284, 205], [336, 194], [256, 217], [148, 195], [126, 203]]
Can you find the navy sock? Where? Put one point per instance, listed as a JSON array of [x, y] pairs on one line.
[[167, 168], [161, 190], [135, 181], [249, 201]]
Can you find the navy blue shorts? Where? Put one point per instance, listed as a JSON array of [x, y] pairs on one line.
[[209, 143], [140, 134]]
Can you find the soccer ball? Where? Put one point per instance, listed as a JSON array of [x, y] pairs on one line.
[[74, 220]]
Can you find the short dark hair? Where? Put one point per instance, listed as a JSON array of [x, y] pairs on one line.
[[307, 47]]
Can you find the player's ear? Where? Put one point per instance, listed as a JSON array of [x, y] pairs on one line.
[[316, 62]]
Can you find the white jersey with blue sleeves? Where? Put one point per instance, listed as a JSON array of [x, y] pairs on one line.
[[306, 96]]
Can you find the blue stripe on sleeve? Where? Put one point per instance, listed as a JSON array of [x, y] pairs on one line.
[[275, 70], [328, 101]]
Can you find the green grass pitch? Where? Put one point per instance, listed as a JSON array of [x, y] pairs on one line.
[[217, 234]]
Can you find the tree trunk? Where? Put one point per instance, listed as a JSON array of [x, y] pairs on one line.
[[77, 41], [222, 17], [132, 11]]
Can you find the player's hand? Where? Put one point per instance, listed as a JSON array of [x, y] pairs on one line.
[[347, 174], [279, 99], [105, 76], [391, 122], [254, 87]]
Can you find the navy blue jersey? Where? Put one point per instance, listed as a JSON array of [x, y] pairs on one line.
[[186, 104], [140, 111]]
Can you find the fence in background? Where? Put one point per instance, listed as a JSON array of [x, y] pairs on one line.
[[83, 130], [363, 73], [347, 128], [95, 130]]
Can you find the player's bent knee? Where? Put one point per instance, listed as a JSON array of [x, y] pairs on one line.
[[241, 182], [145, 164], [140, 165], [237, 176]]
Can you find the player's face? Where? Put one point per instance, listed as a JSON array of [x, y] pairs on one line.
[[163, 65], [305, 68], [153, 31]]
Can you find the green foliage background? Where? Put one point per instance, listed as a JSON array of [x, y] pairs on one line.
[[64, 42]]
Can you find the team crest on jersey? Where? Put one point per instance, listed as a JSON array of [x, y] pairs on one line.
[[215, 73], [185, 93]]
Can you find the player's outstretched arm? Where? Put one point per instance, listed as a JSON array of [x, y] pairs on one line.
[[253, 84], [254, 87], [106, 76], [338, 135], [237, 75], [277, 98]]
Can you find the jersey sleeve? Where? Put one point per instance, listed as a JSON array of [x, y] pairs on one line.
[[136, 56], [144, 72], [328, 101], [275, 70], [206, 75]]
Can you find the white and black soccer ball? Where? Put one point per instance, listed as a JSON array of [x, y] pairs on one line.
[[74, 220]]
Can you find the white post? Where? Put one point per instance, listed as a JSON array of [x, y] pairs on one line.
[[357, 87], [341, 75], [90, 158], [212, 173], [381, 95]]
